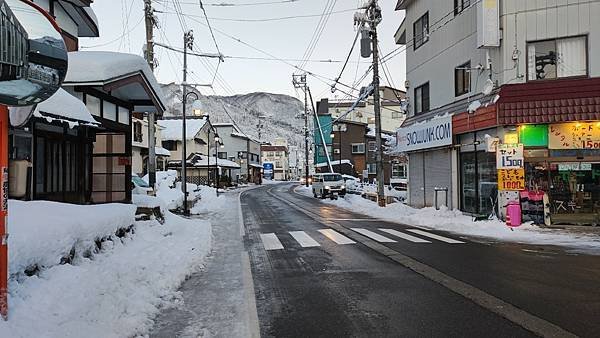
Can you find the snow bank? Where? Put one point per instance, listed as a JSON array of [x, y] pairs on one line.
[[209, 202], [42, 232], [117, 292], [456, 222]]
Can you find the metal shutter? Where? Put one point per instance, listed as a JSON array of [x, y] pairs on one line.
[[416, 180], [438, 174]]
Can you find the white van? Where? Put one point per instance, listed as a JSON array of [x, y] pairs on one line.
[[330, 184]]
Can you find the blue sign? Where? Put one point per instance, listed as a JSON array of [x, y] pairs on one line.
[[268, 170]]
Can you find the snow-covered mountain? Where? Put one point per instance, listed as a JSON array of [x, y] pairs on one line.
[[263, 116]]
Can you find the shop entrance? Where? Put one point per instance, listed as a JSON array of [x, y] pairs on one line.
[[573, 188]]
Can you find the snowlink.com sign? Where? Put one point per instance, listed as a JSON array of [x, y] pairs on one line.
[[431, 134]]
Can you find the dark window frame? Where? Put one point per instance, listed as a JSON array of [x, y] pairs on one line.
[[423, 106], [423, 25], [462, 72], [460, 6]]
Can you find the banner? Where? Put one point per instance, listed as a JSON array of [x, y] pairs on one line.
[[511, 179], [436, 132], [574, 135], [509, 156]]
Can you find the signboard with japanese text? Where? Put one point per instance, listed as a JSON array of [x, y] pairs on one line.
[[511, 179], [574, 135], [509, 156]]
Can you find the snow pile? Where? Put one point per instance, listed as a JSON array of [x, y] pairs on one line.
[[166, 189], [118, 291], [456, 222], [209, 201], [147, 201], [41, 232]]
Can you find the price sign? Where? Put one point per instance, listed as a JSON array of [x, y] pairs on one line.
[[511, 179], [509, 156], [575, 135]]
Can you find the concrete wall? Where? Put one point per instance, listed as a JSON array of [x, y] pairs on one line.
[[453, 41]]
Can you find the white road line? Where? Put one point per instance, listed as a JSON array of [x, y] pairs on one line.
[[372, 235], [405, 236], [336, 236], [434, 236], [271, 242], [303, 239], [354, 219]]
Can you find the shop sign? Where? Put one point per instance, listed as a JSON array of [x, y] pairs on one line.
[[509, 156], [511, 179], [491, 144], [434, 133], [574, 166], [574, 135]]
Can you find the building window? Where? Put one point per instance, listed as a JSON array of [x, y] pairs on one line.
[[461, 5], [559, 58], [270, 154], [396, 115], [170, 145], [398, 170], [223, 155], [137, 132], [278, 154], [278, 164], [92, 103], [358, 148], [421, 31], [372, 168], [109, 110], [422, 99], [462, 79], [372, 146]]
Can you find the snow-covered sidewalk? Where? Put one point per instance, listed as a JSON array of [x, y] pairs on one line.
[[219, 300], [113, 290], [456, 222]]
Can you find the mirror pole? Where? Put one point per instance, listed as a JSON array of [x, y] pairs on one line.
[[4, 123]]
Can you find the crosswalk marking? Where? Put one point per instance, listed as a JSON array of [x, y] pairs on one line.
[[434, 236], [405, 236], [303, 239], [336, 236], [372, 235], [271, 242]]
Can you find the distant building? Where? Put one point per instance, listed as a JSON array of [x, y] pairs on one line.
[[392, 113], [241, 149], [140, 152], [279, 156]]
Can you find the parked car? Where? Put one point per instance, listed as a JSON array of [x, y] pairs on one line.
[[352, 183], [330, 184], [140, 187]]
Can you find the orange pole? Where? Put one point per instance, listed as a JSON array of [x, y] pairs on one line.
[[4, 212]]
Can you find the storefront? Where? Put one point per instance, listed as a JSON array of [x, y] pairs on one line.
[[428, 146], [477, 173], [563, 160]]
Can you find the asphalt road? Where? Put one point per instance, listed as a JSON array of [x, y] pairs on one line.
[[308, 284]]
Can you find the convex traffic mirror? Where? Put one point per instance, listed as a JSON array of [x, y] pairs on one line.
[[33, 55]]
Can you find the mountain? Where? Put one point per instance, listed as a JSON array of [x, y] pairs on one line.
[[264, 116]]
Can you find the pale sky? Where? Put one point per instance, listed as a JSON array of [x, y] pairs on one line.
[[287, 39]]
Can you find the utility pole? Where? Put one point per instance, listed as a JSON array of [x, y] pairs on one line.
[[300, 82], [372, 18], [188, 41], [150, 22]]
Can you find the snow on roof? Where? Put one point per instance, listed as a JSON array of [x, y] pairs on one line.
[[64, 105], [200, 160], [160, 151], [173, 129], [324, 164], [101, 67]]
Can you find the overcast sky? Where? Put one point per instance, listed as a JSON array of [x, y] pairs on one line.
[[287, 39]]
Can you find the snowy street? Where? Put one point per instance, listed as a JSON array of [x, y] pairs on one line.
[[323, 270]]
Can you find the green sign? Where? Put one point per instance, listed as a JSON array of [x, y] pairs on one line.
[[533, 135]]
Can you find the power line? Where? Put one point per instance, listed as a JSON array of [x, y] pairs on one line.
[[210, 27], [290, 17], [318, 31], [225, 4], [117, 38]]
